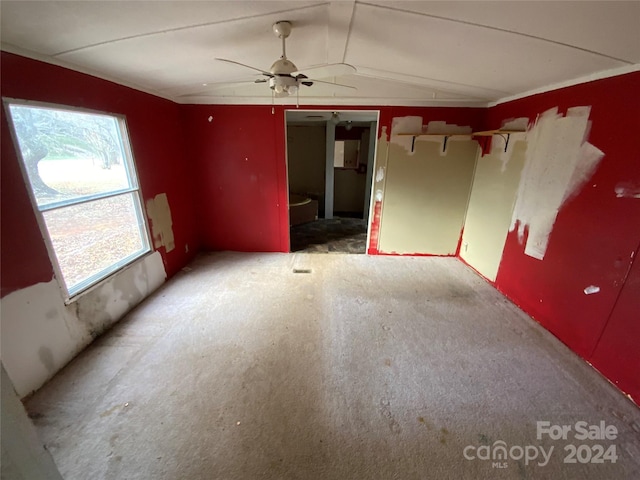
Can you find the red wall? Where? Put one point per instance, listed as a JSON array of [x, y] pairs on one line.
[[155, 129], [25, 260], [616, 354], [242, 192], [594, 239], [240, 158], [227, 188]]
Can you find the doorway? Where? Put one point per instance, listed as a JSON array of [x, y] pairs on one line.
[[330, 163]]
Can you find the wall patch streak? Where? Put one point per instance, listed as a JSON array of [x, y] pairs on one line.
[[558, 162]]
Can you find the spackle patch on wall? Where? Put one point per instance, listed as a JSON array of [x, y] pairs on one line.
[[627, 190], [444, 128], [403, 129], [558, 162], [591, 289], [410, 124], [520, 123], [499, 146], [159, 215]]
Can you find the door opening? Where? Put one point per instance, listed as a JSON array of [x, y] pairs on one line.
[[330, 164]]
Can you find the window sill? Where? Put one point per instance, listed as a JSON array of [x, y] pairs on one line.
[[99, 283]]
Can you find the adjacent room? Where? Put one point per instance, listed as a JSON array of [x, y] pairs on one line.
[[323, 240], [330, 157]]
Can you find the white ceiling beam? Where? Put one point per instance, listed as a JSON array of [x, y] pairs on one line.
[[417, 8], [340, 16], [443, 86]]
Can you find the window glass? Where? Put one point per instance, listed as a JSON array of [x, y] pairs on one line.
[[80, 171], [69, 155], [91, 237]]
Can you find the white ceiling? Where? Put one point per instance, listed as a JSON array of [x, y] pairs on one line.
[[405, 52]]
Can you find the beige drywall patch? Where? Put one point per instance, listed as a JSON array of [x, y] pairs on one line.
[[558, 162], [426, 187], [493, 195], [425, 197], [159, 215], [505, 149]]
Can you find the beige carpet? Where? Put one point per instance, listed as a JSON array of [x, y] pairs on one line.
[[357, 367]]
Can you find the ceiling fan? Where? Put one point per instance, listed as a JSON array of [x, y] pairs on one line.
[[284, 78]]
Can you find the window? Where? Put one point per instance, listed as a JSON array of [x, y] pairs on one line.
[[84, 186]]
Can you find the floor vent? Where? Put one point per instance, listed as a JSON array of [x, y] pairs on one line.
[[301, 270]]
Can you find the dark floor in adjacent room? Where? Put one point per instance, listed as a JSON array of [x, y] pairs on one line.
[[335, 235], [327, 367]]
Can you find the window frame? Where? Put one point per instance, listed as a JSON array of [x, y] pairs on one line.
[[134, 190]]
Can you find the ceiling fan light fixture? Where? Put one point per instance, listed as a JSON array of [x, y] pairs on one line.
[[283, 85]]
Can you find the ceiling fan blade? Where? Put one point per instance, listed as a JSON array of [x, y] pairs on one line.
[[218, 85], [340, 85], [328, 70], [246, 66]]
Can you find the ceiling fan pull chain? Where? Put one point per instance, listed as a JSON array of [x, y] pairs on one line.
[[273, 111]]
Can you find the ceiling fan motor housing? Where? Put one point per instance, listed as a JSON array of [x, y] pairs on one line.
[[283, 66]]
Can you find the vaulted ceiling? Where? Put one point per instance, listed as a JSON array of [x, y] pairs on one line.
[[404, 52]]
